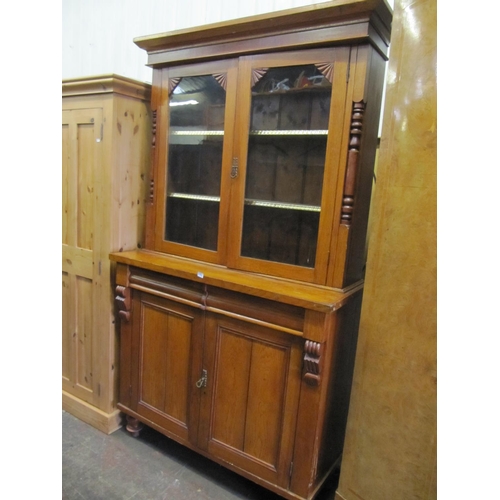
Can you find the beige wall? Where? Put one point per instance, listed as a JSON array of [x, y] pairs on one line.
[[390, 448], [97, 35]]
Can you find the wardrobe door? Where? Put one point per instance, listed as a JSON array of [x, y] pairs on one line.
[[81, 171]]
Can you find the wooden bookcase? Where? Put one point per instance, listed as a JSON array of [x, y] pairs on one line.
[[106, 144], [239, 316]]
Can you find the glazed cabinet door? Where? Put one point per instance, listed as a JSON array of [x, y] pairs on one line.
[[249, 405], [196, 116], [289, 123], [166, 349]]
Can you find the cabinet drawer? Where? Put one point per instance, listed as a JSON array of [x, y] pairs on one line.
[[271, 314], [168, 287], [256, 310]]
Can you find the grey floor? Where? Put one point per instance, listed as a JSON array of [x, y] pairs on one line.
[[96, 466]]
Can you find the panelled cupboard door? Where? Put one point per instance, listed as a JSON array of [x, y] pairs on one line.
[[167, 349], [196, 115], [81, 165], [250, 402], [290, 113]]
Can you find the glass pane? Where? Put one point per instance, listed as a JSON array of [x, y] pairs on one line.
[[196, 135], [285, 165]]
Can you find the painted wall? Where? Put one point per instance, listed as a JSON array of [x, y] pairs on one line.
[[97, 35], [390, 447]]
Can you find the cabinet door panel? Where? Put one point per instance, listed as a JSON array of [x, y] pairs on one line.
[[167, 341], [253, 383], [231, 390]]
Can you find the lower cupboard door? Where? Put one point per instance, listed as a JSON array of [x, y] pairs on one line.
[[249, 406], [167, 341]]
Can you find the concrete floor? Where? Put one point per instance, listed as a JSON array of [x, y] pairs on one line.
[[96, 466]]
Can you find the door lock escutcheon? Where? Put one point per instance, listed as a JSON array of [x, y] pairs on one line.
[[203, 380], [234, 168]]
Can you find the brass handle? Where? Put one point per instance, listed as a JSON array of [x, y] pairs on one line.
[[234, 168], [203, 380]]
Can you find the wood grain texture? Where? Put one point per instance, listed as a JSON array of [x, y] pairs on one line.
[[157, 239], [338, 57], [286, 291], [236, 350], [231, 389], [80, 161], [247, 424], [312, 363], [104, 421], [106, 141], [390, 448], [165, 350], [105, 84], [302, 25]]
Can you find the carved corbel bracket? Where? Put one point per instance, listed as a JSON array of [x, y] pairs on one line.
[[312, 363], [122, 301]]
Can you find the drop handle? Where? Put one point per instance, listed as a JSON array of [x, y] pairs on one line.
[[203, 380]]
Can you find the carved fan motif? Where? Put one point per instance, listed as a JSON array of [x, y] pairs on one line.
[[326, 69], [221, 79], [257, 74], [172, 83]]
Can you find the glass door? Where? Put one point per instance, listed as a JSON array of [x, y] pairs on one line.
[[199, 119], [286, 154]]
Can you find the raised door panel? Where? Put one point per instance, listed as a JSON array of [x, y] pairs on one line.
[[166, 350], [81, 165], [249, 406]]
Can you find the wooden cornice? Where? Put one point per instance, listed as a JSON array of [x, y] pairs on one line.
[[334, 22], [306, 295], [106, 84]]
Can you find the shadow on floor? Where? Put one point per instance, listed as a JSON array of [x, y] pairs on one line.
[[96, 466]]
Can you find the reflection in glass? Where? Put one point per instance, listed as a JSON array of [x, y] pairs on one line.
[[195, 141], [285, 165]]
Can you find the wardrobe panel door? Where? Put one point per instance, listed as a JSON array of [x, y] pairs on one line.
[[81, 176]]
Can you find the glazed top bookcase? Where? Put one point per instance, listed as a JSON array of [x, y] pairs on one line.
[[264, 141]]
